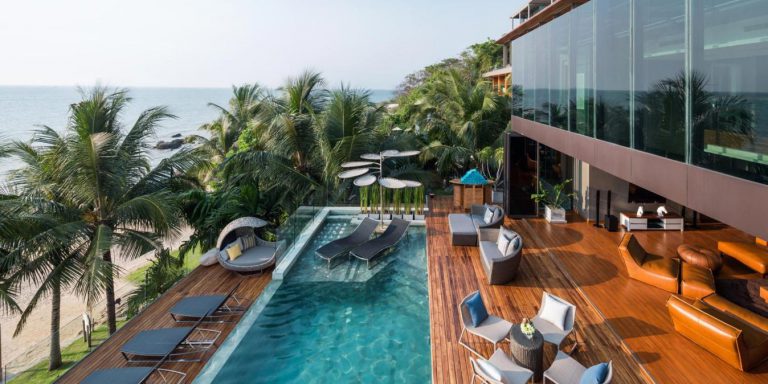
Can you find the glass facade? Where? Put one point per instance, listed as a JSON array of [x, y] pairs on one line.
[[612, 66], [677, 78]]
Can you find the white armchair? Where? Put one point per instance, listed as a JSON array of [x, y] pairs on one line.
[[566, 370], [494, 329], [555, 319], [499, 369]]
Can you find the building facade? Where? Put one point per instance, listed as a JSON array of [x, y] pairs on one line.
[[670, 96]]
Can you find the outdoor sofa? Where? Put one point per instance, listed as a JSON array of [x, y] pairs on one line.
[[464, 226], [500, 267]]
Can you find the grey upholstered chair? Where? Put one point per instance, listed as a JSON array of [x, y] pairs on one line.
[[494, 329], [510, 372], [477, 212], [566, 370], [464, 226], [499, 268], [552, 333]]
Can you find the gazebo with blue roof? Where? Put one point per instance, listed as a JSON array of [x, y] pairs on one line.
[[472, 188]]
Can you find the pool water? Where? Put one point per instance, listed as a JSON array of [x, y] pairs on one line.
[[345, 325]]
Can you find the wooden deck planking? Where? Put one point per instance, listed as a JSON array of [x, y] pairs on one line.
[[455, 272], [201, 281], [635, 310]]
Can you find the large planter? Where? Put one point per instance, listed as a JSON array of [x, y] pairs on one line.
[[554, 215]]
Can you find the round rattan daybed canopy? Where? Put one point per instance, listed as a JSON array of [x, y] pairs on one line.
[[243, 222]]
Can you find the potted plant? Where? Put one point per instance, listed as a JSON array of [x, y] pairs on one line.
[[418, 203], [554, 201], [408, 203], [364, 203]]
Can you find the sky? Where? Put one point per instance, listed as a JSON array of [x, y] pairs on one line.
[[205, 43]]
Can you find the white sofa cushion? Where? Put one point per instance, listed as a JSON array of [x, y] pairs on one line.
[[555, 312], [488, 217], [489, 370]]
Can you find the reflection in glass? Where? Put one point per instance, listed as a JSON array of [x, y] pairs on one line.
[[555, 168], [529, 73], [582, 86], [612, 83], [516, 55], [559, 44], [541, 41], [730, 99], [659, 77]]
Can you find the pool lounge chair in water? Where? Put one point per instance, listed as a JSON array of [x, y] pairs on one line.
[[208, 308], [375, 247], [134, 375], [170, 344], [338, 247]]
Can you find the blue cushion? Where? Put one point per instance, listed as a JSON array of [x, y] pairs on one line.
[[595, 374], [477, 310]]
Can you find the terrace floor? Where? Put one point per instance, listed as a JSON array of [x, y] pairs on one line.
[[617, 318], [201, 281]]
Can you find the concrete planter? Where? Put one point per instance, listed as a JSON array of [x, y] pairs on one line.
[[554, 215]]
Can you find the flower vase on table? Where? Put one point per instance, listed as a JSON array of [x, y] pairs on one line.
[[527, 328]]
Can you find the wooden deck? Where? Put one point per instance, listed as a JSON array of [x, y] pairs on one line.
[[455, 272], [203, 280], [617, 318]]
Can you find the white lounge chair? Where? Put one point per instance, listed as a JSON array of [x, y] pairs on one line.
[[566, 370], [552, 333], [508, 372], [494, 329]]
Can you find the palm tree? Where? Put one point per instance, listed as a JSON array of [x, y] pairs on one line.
[[128, 206], [244, 105], [458, 113], [43, 237]]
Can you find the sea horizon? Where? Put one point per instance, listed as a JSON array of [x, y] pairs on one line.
[[24, 108]]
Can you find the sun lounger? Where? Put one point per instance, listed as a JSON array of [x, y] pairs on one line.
[[338, 247], [209, 308], [172, 344], [133, 375], [374, 247]]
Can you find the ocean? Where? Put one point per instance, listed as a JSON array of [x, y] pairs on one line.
[[22, 109]]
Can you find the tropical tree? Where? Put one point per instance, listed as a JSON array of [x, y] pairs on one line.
[[244, 105], [459, 113], [129, 207], [43, 239]]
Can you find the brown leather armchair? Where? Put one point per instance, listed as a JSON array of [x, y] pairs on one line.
[[724, 305], [659, 271], [735, 341]]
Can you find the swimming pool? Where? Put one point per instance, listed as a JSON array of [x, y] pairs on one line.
[[348, 324]]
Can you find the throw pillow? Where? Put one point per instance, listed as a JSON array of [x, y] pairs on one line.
[[555, 311], [249, 241], [595, 374], [502, 243], [517, 242], [234, 251], [488, 216], [477, 310], [489, 370], [497, 212]]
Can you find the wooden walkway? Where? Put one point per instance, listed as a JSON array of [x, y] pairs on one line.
[[203, 280], [455, 272], [617, 318]]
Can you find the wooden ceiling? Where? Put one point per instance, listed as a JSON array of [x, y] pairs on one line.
[[553, 10]]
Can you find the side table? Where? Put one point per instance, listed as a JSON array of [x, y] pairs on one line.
[[528, 353]]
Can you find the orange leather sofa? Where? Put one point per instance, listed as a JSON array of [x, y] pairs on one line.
[[659, 271], [736, 341], [724, 305], [752, 255]]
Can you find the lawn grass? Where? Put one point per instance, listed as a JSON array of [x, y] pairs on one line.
[[71, 354], [191, 261]]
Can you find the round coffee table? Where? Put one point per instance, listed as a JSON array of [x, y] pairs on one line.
[[527, 352]]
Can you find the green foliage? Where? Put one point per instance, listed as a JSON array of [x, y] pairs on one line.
[[557, 197], [163, 272]]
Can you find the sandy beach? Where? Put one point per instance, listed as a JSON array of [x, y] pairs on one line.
[[32, 343]]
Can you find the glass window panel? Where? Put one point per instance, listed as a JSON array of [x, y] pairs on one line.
[[612, 80], [517, 77], [529, 73], [660, 77], [729, 87], [541, 42], [582, 86], [559, 43]]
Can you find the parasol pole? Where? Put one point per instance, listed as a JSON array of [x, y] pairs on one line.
[[381, 188]]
